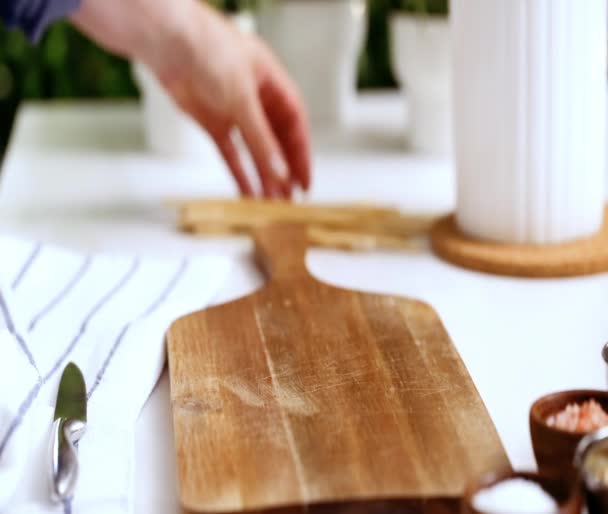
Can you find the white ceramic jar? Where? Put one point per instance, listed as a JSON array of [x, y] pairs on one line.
[[529, 86], [421, 53], [319, 42]]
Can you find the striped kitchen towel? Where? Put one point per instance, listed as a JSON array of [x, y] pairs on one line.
[[108, 314]]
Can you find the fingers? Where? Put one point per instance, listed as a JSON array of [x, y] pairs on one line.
[[233, 160], [265, 149], [288, 118]]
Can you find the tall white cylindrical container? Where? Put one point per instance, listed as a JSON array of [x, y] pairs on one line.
[[529, 90]]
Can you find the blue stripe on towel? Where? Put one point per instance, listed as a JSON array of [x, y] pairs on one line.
[[83, 327], [23, 408], [62, 294], [26, 266], [10, 325], [27, 403], [153, 306]]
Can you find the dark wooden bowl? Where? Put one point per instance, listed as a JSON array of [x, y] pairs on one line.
[[565, 493], [553, 448]]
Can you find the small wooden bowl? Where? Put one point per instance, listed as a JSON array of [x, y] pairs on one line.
[[554, 448], [566, 494]]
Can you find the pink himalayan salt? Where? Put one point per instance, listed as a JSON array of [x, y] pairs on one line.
[[585, 417]]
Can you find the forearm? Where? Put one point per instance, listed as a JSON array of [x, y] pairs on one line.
[[153, 31], [33, 16]]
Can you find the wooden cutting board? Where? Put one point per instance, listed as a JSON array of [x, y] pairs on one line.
[[303, 393]]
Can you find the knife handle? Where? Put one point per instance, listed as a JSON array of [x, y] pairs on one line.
[[64, 457]]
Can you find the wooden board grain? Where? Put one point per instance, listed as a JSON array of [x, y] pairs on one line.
[[448, 505], [303, 393]]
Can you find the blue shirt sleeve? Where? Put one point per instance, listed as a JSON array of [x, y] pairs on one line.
[[34, 16]]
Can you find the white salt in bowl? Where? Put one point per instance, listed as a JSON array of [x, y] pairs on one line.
[[511, 492]]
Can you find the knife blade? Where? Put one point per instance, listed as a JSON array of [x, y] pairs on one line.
[[68, 427]]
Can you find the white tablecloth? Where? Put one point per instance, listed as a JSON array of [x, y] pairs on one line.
[[86, 181]]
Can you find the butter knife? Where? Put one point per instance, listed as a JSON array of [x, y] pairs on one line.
[[68, 427]]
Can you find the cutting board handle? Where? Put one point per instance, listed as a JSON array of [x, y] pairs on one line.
[[280, 250]]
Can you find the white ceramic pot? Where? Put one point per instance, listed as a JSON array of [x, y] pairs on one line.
[[319, 42], [168, 130], [530, 117], [420, 50]]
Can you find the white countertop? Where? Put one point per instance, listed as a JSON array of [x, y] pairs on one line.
[[77, 174]]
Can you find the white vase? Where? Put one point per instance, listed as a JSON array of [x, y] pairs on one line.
[[529, 117], [420, 51], [319, 42], [169, 131]]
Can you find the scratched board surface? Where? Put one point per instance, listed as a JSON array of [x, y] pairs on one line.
[[303, 393]]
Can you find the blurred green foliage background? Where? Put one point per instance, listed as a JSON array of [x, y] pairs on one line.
[[65, 64]]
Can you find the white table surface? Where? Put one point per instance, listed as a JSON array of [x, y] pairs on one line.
[[77, 174]]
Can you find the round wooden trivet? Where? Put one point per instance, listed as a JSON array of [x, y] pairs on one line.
[[582, 257]]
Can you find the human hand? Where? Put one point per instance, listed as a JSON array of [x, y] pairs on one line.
[[224, 79]]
